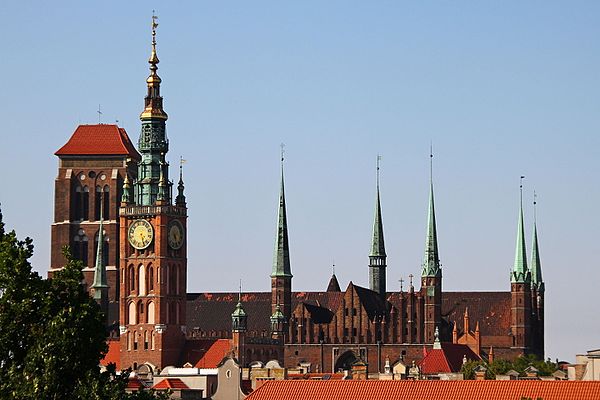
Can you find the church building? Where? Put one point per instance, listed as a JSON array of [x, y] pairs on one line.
[[121, 214]]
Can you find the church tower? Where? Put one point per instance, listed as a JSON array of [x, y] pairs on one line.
[[377, 256], [538, 289], [431, 274], [281, 276], [520, 289], [153, 246]]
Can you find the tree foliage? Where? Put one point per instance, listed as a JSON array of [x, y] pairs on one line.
[[52, 334], [501, 367]]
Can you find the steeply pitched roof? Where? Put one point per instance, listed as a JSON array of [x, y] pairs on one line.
[[171, 383], [426, 389], [319, 315], [447, 359], [371, 301], [113, 355], [102, 139], [334, 285], [490, 309], [212, 311], [205, 353]]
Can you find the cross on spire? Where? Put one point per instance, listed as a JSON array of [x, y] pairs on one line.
[[411, 276], [401, 280]]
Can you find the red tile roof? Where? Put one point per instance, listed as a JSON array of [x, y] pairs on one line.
[[100, 139], [407, 390], [134, 383], [171, 383], [447, 359], [113, 355], [205, 353]]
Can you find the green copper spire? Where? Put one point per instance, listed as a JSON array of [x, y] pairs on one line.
[[378, 243], [377, 256], [99, 285], [281, 256], [431, 259], [520, 273], [536, 266]]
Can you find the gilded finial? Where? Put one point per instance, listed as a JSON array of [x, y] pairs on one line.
[[153, 58]]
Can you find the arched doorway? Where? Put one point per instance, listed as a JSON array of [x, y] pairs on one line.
[[345, 361]]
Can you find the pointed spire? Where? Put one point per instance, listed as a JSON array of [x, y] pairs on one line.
[[536, 266], [520, 274], [377, 244], [100, 282], [153, 105], [281, 256], [431, 259], [334, 285], [180, 199]]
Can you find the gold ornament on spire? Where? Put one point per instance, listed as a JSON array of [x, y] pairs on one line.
[[153, 102]]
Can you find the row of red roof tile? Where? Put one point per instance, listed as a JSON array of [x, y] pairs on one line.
[[430, 390]]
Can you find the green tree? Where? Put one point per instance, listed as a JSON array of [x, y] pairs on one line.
[[52, 335], [501, 367]]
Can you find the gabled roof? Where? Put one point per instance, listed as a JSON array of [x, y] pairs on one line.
[[171, 383], [447, 359], [371, 301], [102, 139], [205, 353], [113, 355], [334, 285], [318, 315], [426, 389], [214, 351]]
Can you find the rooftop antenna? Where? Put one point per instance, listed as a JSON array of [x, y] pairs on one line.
[[99, 114]]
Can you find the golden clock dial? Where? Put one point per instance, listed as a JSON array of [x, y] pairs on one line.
[[176, 235], [140, 234]]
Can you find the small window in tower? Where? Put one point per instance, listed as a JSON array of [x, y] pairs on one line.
[[354, 311]]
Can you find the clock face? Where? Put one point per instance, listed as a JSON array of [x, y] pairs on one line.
[[140, 234], [176, 235]]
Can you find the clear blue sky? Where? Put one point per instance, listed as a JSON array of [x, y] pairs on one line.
[[502, 89]]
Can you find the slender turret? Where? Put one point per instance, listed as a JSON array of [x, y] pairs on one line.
[[377, 256], [153, 143], [281, 276], [520, 289], [431, 272], [538, 288], [520, 273]]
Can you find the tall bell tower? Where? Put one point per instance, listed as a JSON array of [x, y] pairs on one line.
[[153, 245]]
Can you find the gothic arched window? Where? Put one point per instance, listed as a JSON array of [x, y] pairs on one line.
[[150, 284], [141, 280], [132, 313]]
